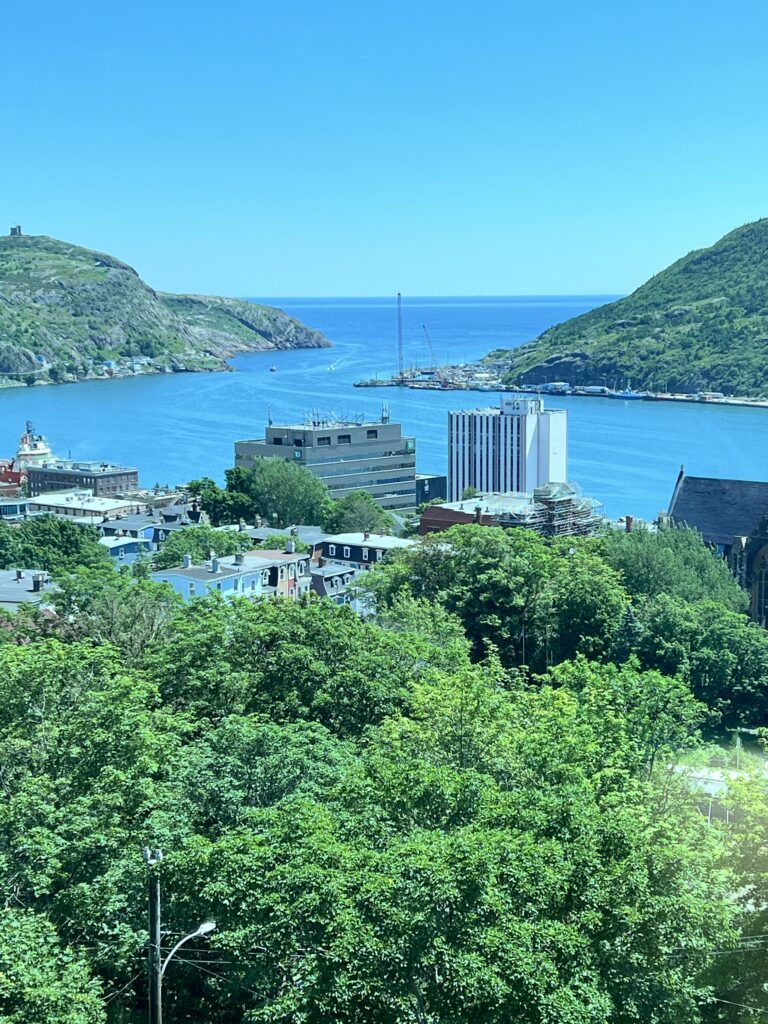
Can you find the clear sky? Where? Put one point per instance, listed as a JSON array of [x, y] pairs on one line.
[[357, 148]]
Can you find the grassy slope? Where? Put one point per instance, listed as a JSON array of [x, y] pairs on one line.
[[700, 324], [72, 304]]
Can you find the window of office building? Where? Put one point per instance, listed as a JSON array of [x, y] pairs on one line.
[[344, 439], [323, 441], [277, 440], [371, 434], [298, 442]]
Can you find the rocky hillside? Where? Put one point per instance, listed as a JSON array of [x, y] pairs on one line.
[[701, 324], [67, 312]]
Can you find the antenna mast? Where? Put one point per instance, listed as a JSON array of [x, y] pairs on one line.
[[400, 335]]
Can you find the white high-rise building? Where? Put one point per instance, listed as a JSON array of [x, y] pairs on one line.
[[516, 447]]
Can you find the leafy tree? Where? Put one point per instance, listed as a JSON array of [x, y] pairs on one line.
[[199, 542], [109, 607], [487, 857], [41, 980], [674, 561], [589, 604], [511, 589], [356, 513], [51, 543], [719, 653], [277, 542], [314, 661], [281, 492]]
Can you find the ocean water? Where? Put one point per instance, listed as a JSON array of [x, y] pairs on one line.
[[176, 427]]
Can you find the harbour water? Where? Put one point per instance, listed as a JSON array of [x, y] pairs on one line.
[[176, 427]]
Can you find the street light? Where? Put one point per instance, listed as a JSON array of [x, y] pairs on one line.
[[157, 966], [205, 928]]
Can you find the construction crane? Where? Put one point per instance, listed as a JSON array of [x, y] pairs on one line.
[[429, 342]]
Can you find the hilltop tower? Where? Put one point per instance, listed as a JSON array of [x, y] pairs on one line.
[[16, 231]]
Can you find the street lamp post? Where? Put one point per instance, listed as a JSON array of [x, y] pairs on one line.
[[158, 965]]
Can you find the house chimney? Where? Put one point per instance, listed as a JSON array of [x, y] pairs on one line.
[[19, 575], [37, 582], [214, 565], [478, 513], [257, 521], [241, 526], [629, 522], [290, 547], [187, 562], [239, 558], [367, 535]]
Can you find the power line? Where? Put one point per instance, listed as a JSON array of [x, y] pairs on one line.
[[121, 990], [743, 1006], [220, 977]]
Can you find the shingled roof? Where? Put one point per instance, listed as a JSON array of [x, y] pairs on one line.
[[719, 509]]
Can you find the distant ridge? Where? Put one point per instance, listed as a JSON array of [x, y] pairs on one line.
[[701, 324], [66, 311]]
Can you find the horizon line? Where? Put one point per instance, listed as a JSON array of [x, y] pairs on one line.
[[482, 295]]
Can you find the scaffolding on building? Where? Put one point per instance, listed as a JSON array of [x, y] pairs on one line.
[[554, 510]]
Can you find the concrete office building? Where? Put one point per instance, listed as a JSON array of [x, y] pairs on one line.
[[518, 447], [347, 456], [103, 479]]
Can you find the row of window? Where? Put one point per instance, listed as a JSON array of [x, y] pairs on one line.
[[346, 553], [324, 441]]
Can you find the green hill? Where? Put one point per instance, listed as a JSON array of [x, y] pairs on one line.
[[701, 324], [65, 311]]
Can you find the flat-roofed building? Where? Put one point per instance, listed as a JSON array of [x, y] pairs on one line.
[[83, 506], [518, 446], [347, 456], [102, 478]]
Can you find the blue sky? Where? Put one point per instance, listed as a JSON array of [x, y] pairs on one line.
[[339, 148]]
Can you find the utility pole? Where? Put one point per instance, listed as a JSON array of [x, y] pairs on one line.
[[155, 957]]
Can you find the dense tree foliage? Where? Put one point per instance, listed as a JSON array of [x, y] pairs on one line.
[[473, 807], [381, 829], [39, 979], [356, 513], [510, 588], [284, 493], [50, 543], [279, 491], [671, 561]]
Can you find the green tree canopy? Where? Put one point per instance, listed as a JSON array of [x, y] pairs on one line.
[[199, 542], [281, 492], [51, 543], [41, 980], [356, 513], [674, 561]]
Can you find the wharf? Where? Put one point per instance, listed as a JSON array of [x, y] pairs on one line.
[[466, 378]]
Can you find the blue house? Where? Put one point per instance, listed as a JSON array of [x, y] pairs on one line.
[[241, 575], [125, 550]]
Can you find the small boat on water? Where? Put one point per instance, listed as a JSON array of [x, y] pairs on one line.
[[628, 395], [273, 369]]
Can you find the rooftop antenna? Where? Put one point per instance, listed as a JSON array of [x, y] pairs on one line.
[[269, 415], [399, 334], [385, 412]]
